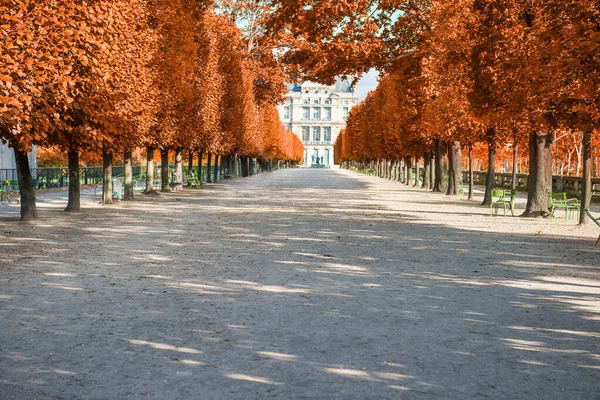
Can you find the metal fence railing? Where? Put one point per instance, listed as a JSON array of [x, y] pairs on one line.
[[45, 178]]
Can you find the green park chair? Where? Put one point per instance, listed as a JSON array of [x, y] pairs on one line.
[[193, 181], [560, 200], [596, 221], [499, 198]]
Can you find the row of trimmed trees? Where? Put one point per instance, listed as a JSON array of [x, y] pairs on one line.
[[113, 75], [487, 71]]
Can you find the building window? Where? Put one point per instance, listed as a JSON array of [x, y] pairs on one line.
[[305, 156], [288, 101], [315, 156], [327, 134], [316, 92], [316, 101], [316, 113], [306, 101], [345, 102], [305, 113], [327, 101], [316, 134], [286, 112], [326, 157], [305, 134], [327, 114], [345, 113]]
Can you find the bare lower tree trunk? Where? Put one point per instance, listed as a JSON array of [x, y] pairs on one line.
[[149, 170], [74, 202], [441, 167], [208, 170], [432, 167], [426, 170], [178, 184], [539, 182], [128, 172], [26, 187], [416, 171], [491, 175], [216, 168], [200, 177], [513, 184], [470, 197], [586, 144], [164, 170], [244, 161], [409, 180], [107, 186], [190, 169], [454, 169]]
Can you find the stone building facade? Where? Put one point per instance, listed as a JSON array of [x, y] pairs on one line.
[[316, 114]]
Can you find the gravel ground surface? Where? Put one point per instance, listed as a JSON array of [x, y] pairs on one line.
[[298, 284]]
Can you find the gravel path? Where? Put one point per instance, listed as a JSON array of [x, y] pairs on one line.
[[298, 284]]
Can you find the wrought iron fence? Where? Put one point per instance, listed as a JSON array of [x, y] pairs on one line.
[[45, 178]]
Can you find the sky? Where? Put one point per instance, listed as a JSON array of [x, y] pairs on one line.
[[366, 84]]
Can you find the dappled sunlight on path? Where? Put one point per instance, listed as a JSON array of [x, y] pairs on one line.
[[298, 284]]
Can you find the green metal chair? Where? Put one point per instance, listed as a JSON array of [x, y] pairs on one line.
[[560, 200], [193, 181], [511, 201], [596, 221], [500, 200]]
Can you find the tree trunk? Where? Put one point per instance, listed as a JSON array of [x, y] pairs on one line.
[[74, 202], [416, 171], [470, 197], [539, 182], [164, 170], [244, 162], [216, 169], [513, 184], [586, 144], [426, 171], [200, 156], [454, 169], [128, 169], [491, 175], [432, 168], [208, 170], [178, 184], [107, 186], [26, 187], [441, 167], [149, 170], [190, 170], [409, 178]]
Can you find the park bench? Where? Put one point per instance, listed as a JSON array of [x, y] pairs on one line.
[[595, 220], [560, 201], [504, 198]]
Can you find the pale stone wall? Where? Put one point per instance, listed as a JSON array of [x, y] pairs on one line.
[[316, 114]]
